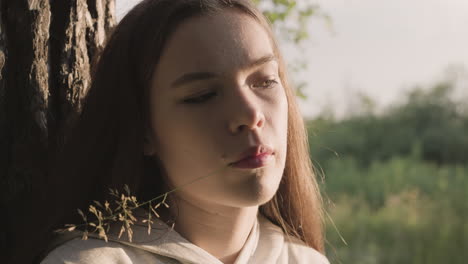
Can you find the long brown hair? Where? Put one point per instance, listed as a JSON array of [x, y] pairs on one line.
[[105, 148]]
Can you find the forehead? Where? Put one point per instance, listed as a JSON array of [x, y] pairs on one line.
[[223, 43]]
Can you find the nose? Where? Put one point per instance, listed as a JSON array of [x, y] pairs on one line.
[[246, 113]]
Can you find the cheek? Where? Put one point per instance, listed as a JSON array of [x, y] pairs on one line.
[[280, 120], [183, 143], [280, 115], [174, 136]]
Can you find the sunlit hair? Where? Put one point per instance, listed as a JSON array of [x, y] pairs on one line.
[[105, 148]]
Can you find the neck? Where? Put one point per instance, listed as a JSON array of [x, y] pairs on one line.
[[221, 231]]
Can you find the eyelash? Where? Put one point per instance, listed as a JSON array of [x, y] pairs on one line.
[[199, 99], [270, 83], [205, 97]]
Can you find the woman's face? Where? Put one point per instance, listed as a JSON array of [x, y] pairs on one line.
[[216, 93]]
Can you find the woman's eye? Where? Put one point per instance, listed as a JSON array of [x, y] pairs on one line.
[[267, 84], [199, 99]]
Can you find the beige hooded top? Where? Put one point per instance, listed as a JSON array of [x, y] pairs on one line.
[[266, 244]]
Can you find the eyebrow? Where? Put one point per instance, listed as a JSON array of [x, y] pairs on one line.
[[201, 76]]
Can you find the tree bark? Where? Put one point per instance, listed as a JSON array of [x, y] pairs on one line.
[[46, 49]]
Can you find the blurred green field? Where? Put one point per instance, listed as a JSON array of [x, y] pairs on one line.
[[396, 184]]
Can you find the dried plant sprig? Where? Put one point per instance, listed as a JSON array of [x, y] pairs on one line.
[[123, 212]]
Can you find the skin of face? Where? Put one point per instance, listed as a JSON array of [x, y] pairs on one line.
[[235, 101]]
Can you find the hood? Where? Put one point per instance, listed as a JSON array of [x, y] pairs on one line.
[[165, 241]]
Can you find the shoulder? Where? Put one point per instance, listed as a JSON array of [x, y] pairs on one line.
[[287, 249], [97, 251], [88, 251], [298, 252]]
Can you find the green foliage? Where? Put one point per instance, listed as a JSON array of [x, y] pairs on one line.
[[290, 20], [290, 17], [426, 121], [399, 211], [396, 184]]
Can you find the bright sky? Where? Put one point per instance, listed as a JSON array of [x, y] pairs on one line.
[[378, 47], [382, 47]]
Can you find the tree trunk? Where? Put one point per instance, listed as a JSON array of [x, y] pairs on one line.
[[46, 47]]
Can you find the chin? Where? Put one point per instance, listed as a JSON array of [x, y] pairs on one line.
[[257, 191]]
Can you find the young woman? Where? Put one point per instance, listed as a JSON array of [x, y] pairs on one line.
[[185, 89]]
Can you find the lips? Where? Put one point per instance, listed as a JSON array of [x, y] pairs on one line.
[[254, 157]]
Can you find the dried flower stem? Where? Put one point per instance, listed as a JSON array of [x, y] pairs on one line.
[[126, 203]]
